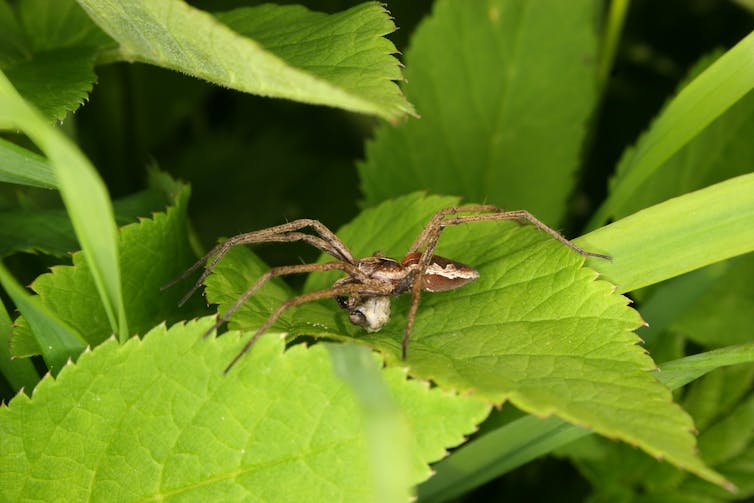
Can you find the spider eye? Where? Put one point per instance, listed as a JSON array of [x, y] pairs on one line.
[[342, 301]]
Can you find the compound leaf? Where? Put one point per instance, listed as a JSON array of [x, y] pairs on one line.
[[505, 109], [156, 419], [536, 329]]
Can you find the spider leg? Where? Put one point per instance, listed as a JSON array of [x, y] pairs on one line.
[[526, 217], [437, 218], [427, 240], [327, 242], [352, 270], [439, 222], [371, 289]]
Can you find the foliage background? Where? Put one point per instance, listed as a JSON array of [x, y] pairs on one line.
[[255, 162]]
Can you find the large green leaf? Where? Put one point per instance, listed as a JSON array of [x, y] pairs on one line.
[[340, 60], [153, 251], [504, 89], [535, 329], [156, 419]]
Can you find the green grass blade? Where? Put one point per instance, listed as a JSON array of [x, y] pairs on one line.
[[676, 236], [23, 167], [616, 18], [694, 108], [388, 437], [57, 340], [680, 372], [530, 437], [496, 453], [85, 197]]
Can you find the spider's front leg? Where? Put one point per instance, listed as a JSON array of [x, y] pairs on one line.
[[326, 241]]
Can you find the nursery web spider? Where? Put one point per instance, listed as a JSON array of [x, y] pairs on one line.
[[366, 290]]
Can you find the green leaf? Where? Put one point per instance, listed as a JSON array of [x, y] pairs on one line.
[[49, 53], [523, 440], [55, 82], [23, 167], [535, 329], [505, 89], [723, 408], [54, 24], [705, 99], [339, 60], [85, 197], [156, 419], [676, 236], [153, 251], [19, 373], [51, 231], [13, 42], [57, 341]]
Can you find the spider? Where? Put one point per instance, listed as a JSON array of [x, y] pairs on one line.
[[365, 292]]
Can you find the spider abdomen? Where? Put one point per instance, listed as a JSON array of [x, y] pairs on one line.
[[442, 274]]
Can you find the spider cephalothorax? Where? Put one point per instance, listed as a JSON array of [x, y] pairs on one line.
[[372, 312], [370, 283]]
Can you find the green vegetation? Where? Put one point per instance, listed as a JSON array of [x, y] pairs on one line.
[[117, 172]]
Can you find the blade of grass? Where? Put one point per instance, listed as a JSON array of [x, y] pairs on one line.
[[85, 197], [677, 235], [20, 166], [530, 437], [496, 453], [680, 372], [709, 95], [57, 339], [616, 17], [387, 431]]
